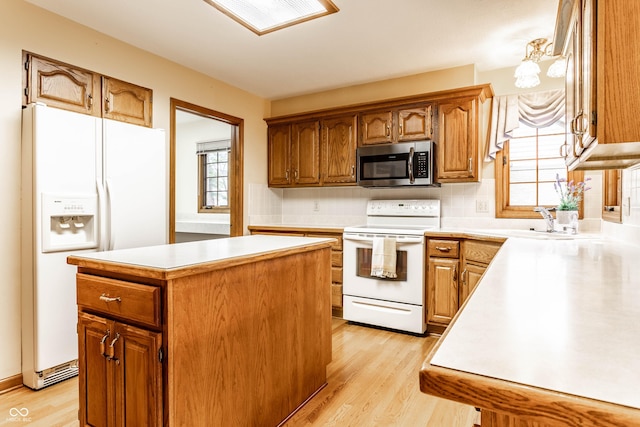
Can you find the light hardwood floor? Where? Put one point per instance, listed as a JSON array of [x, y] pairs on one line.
[[372, 381]]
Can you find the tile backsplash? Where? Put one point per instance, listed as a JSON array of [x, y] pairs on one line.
[[469, 205]]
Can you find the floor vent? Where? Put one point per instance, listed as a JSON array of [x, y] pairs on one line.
[[59, 373]]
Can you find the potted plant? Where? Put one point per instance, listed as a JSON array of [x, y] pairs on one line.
[[570, 194]]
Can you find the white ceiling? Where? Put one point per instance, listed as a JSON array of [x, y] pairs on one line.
[[367, 40]]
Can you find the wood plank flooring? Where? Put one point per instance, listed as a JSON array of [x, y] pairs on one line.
[[372, 381]]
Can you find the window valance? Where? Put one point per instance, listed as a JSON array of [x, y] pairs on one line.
[[536, 109]]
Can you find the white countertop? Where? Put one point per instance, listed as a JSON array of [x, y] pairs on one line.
[[205, 251], [561, 315]]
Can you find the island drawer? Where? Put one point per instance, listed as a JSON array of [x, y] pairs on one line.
[[126, 300], [443, 248]]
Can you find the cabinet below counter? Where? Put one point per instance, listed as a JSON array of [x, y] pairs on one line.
[[232, 331], [547, 337]]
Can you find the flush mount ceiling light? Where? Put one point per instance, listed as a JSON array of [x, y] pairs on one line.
[[527, 72], [265, 16]]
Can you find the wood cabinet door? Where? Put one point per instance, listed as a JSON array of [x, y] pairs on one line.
[[97, 402], [457, 149], [62, 86], [414, 124], [126, 102], [442, 290], [138, 377], [470, 277], [279, 155], [572, 98], [305, 152], [586, 121], [339, 143], [376, 128]]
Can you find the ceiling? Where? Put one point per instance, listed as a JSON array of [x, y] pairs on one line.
[[367, 40]]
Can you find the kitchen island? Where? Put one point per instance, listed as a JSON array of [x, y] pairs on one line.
[[549, 337], [230, 332]]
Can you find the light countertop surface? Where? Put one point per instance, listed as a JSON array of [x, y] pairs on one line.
[[178, 255], [561, 315]]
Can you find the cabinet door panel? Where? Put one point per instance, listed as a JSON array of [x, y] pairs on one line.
[[471, 276], [94, 334], [442, 290], [139, 375], [339, 145], [376, 128], [126, 102], [414, 124], [457, 149], [305, 152], [279, 155], [62, 86]]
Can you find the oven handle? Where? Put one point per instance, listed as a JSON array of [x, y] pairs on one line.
[[400, 239]]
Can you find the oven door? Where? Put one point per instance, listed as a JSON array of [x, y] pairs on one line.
[[407, 288]]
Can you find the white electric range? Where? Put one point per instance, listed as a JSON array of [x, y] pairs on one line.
[[397, 303]]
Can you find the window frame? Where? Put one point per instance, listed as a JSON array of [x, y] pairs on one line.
[[202, 185], [503, 209]]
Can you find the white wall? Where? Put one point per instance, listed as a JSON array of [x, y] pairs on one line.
[[24, 26]]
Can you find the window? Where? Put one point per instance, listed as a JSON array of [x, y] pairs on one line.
[[526, 170], [213, 180]]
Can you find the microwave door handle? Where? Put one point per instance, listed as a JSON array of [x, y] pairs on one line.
[[410, 166]]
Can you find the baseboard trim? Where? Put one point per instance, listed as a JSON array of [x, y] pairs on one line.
[[10, 383]]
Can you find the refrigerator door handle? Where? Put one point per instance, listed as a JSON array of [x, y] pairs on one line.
[[102, 216], [108, 215]]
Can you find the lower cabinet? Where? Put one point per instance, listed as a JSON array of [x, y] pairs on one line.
[[120, 365], [454, 267], [120, 373]]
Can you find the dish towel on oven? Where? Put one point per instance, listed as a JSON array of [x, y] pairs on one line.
[[383, 257]]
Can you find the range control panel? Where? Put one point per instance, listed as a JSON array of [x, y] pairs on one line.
[[418, 207]]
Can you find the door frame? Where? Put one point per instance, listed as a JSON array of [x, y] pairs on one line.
[[236, 170]]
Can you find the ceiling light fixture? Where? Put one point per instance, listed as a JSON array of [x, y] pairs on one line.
[[265, 16], [527, 72]]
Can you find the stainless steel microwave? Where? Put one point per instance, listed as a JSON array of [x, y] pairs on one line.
[[396, 165]]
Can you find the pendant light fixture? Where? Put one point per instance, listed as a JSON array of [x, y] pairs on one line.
[[527, 72]]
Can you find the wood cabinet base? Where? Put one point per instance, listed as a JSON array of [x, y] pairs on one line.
[[243, 342]]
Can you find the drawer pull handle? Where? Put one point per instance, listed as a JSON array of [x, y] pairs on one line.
[[104, 338], [441, 249], [107, 298]]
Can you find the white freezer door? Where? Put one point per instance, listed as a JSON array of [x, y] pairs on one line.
[[135, 186]]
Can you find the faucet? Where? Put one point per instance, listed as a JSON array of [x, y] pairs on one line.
[[546, 214]]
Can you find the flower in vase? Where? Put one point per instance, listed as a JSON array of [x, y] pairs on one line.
[[570, 193]]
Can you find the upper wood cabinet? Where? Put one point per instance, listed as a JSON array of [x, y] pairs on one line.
[[279, 155], [126, 102], [60, 85], [457, 147], [294, 154], [612, 195], [452, 118], [601, 40], [396, 125], [64, 86], [305, 153], [338, 159]]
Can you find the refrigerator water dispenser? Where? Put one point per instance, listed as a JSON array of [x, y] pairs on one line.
[[69, 222]]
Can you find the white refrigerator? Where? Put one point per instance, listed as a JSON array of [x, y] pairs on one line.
[[88, 184]]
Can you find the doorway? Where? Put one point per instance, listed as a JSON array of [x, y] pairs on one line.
[[206, 158]]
